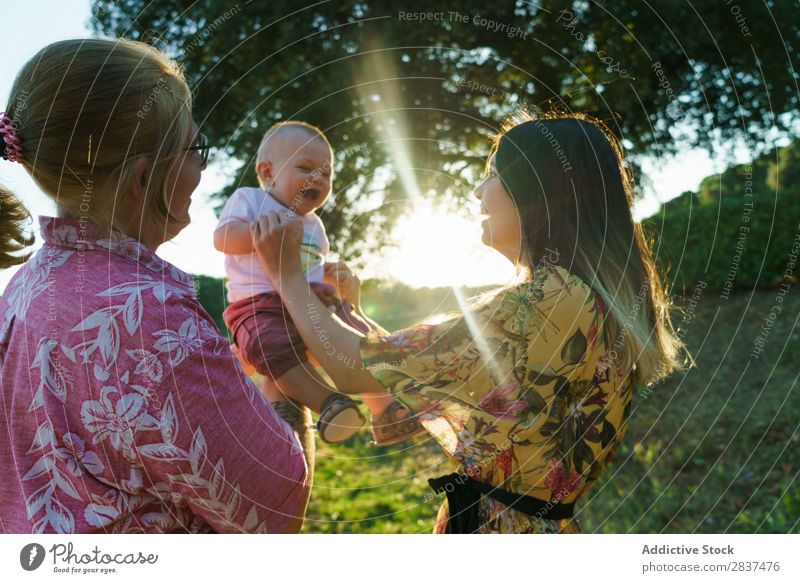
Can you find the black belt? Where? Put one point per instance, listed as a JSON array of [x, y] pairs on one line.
[[464, 493]]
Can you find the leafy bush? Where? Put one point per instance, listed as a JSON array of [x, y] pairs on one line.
[[740, 235]]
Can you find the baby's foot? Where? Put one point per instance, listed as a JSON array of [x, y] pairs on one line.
[[394, 425], [340, 419]]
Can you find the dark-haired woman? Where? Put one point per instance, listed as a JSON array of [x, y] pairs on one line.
[[529, 390]]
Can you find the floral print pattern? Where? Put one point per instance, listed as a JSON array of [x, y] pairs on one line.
[[520, 392], [123, 409]]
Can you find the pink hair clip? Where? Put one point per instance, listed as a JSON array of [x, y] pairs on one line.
[[12, 150]]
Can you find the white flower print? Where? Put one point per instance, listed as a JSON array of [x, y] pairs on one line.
[[53, 375], [124, 245], [77, 457], [123, 454], [34, 279], [104, 320], [107, 339], [67, 235], [104, 510], [178, 344], [209, 331], [181, 276], [147, 364], [44, 500], [133, 307], [116, 417], [169, 427]]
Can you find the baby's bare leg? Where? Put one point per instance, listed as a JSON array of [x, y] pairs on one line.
[[376, 403], [340, 418], [304, 385], [270, 390]]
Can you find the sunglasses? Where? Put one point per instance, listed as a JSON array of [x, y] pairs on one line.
[[202, 146]]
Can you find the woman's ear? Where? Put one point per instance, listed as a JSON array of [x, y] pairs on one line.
[[140, 177]]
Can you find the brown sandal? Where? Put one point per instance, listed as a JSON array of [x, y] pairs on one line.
[[388, 429], [340, 419]]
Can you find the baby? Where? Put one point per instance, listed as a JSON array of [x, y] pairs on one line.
[[294, 168]]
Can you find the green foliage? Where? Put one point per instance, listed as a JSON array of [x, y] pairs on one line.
[[212, 296], [380, 83], [738, 226]]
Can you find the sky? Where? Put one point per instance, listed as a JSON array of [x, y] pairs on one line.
[[413, 260]]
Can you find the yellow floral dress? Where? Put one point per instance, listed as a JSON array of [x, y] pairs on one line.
[[519, 391]]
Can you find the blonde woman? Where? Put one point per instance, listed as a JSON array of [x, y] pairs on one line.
[[123, 409], [529, 390]]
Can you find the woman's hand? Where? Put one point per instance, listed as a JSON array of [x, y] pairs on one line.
[[276, 241], [347, 283]]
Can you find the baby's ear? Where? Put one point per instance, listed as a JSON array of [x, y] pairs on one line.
[[264, 171]]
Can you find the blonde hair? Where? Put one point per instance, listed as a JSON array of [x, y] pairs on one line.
[[574, 194], [12, 236], [85, 109], [281, 128]]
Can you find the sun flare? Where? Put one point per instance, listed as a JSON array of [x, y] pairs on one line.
[[437, 246]]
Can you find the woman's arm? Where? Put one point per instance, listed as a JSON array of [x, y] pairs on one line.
[[335, 345], [276, 239]]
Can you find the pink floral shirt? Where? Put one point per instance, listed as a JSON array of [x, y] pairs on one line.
[[123, 409]]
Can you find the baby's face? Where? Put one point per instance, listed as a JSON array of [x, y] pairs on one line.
[[298, 172]]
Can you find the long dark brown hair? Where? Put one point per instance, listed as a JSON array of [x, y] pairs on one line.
[[574, 194]]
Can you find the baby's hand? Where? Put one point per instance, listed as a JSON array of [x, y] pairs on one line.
[[347, 284], [327, 296]]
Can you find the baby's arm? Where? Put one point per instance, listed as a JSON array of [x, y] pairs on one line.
[[348, 286], [234, 238]]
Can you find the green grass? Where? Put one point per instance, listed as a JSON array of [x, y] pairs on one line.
[[716, 449], [367, 489]]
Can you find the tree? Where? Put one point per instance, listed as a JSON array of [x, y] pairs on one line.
[[408, 93]]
